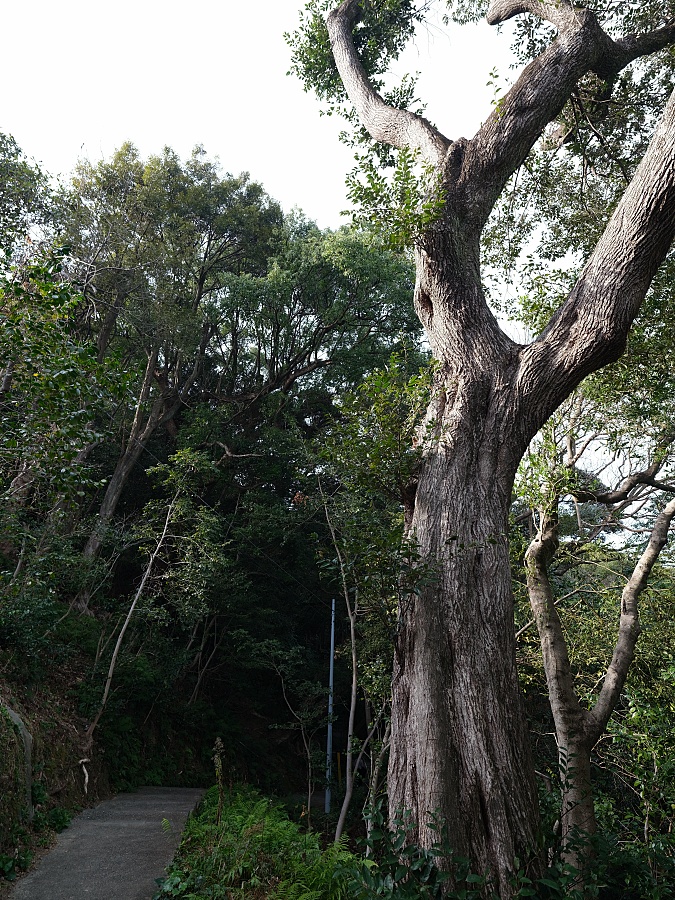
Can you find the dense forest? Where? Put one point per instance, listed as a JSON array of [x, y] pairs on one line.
[[220, 423], [177, 357]]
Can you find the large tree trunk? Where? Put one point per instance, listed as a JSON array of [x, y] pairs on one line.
[[459, 741], [459, 745]]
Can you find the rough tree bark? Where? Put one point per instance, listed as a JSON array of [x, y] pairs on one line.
[[459, 743]]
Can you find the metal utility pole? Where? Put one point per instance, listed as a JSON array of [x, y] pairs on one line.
[[329, 740]]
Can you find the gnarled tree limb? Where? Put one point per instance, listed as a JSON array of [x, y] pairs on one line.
[[396, 127], [623, 491], [560, 13]]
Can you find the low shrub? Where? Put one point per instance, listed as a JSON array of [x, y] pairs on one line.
[[254, 852]]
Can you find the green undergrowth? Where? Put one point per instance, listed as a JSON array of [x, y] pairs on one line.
[[254, 852], [250, 850]]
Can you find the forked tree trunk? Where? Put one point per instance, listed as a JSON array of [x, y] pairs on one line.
[[577, 728], [459, 744]]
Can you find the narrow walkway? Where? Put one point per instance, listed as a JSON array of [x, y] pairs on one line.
[[114, 851]]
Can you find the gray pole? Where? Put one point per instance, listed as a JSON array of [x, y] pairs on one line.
[[329, 741]]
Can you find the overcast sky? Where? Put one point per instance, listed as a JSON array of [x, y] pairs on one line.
[[83, 76]]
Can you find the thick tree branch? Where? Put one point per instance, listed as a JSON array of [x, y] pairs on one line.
[[543, 89], [520, 118], [481, 167], [396, 127], [560, 13], [633, 46], [629, 627], [591, 328], [615, 56]]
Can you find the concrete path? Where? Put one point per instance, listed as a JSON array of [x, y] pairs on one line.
[[114, 851]]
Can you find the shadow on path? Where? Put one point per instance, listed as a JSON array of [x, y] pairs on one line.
[[114, 851]]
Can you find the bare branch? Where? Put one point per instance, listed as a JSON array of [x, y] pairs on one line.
[[623, 491], [228, 454], [397, 127], [629, 626]]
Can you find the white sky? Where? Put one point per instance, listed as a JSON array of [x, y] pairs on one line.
[[83, 76]]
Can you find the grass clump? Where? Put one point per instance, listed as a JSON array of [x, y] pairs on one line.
[[253, 852]]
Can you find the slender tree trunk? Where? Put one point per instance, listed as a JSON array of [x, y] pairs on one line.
[[352, 611], [349, 761], [377, 765], [116, 485], [138, 436], [22, 483], [7, 379], [571, 719], [578, 807], [204, 668], [89, 736], [163, 408], [108, 326]]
